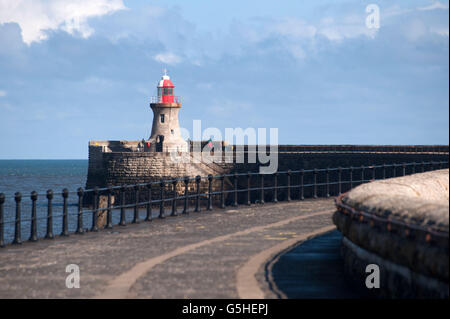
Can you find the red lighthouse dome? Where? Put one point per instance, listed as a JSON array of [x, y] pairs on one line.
[[166, 90]]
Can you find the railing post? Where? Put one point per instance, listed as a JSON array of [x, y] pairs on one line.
[[289, 173], [275, 187], [373, 172], [136, 205], [80, 211], [49, 234], [109, 224], [327, 181], [394, 170], [413, 168], [149, 203], [363, 177], [122, 221], [186, 193], [302, 188], [161, 199], [2, 221], [174, 199], [262, 188], [422, 165], [384, 171], [65, 224], [235, 181], [222, 191], [210, 179], [404, 169], [248, 188], [315, 183], [339, 180], [33, 232], [95, 210], [197, 197], [17, 231], [351, 177]]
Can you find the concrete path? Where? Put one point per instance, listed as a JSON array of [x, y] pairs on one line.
[[216, 254]]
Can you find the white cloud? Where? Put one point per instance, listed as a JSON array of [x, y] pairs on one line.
[[37, 17], [440, 31], [347, 27], [298, 37], [395, 10], [167, 58], [434, 6], [2, 93], [295, 28]]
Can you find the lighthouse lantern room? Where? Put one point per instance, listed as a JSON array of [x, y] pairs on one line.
[[165, 136]]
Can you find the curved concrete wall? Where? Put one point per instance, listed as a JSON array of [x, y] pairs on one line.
[[402, 225]]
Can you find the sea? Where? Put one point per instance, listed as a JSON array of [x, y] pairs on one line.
[[25, 176]]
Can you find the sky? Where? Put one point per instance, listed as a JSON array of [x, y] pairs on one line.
[[73, 71]]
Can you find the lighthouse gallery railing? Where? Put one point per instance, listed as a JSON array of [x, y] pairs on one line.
[[165, 98]]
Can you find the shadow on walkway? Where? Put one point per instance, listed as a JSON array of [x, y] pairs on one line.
[[314, 269]]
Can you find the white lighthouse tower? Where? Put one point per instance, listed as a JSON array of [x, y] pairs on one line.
[[165, 136]]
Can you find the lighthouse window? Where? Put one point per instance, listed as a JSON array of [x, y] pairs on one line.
[[171, 131], [167, 91], [161, 117]]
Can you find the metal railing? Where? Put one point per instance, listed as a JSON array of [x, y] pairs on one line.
[[165, 99], [160, 199]]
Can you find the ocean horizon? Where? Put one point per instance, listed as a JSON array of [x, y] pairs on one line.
[[27, 175]]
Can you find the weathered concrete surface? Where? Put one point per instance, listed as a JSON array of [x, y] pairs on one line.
[[409, 233], [421, 199], [195, 256]]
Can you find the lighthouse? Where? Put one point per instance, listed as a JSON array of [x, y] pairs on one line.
[[165, 136]]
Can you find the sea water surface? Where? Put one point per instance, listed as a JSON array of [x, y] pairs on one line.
[[25, 176]]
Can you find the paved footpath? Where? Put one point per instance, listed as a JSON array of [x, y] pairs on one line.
[[210, 254]]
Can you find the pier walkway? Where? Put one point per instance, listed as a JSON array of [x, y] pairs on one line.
[[208, 254]]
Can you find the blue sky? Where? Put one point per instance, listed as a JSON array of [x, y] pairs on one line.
[[74, 71]]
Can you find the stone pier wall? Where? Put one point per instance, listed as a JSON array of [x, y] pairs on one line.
[[402, 225], [120, 162]]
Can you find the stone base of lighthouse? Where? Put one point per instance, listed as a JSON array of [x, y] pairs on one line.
[[166, 136]]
